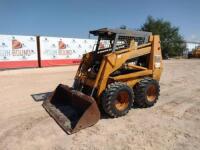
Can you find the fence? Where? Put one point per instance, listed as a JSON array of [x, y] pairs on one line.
[[41, 51]]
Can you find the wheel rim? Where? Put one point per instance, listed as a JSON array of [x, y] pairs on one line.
[[151, 93], [122, 100]]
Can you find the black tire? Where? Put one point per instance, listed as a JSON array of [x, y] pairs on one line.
[[189, 56], [146, 92], [117, 99]]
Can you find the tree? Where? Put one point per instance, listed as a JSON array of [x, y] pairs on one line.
[[172, 42]]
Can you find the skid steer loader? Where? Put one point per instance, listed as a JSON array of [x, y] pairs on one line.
[[195, 53], [111, 78]]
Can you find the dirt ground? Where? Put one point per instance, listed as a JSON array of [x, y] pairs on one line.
[[173, 123]]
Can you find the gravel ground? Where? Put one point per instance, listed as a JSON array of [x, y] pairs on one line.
[[173, 123]]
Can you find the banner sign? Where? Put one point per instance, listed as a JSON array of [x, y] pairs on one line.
[[21, 51], [63, 51], [18, 51]]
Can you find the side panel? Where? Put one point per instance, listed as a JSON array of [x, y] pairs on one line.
[[113, 61]]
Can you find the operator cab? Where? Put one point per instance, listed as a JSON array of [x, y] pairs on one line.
[[117, 39], [111, 40]]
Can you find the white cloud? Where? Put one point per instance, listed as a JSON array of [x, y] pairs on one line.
[[193, 38]]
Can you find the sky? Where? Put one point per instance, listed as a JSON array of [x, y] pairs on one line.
[[73, 18]]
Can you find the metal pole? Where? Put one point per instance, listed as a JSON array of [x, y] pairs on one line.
[[38, 50]]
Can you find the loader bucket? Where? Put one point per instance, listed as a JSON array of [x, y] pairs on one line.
[[72, 110]]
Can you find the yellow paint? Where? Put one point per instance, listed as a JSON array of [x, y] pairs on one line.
[[114, 60]]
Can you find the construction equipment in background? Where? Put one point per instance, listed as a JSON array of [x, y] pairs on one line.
[[111, 78], [195, 53]]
